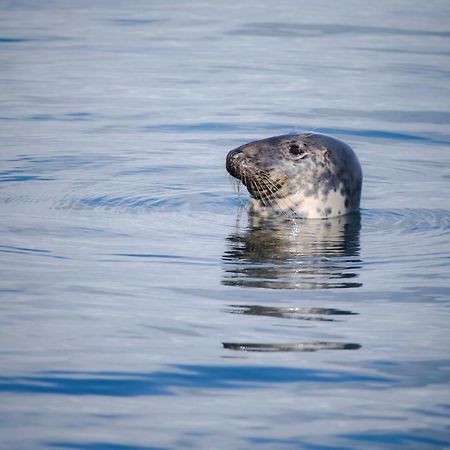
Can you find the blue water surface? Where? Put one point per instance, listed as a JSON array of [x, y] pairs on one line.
[[140, 307]]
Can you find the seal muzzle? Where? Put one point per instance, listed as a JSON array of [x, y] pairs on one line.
[[234, 157], [259, 183]]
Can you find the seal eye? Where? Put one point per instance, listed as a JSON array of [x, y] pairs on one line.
[[296, 150]]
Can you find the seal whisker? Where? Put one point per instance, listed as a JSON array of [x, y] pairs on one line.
[[261, 190], [272, 201], [269, 201], [235, 185], [266, 201], [244, 179], [287, 210], [270, 185], [237, 188]]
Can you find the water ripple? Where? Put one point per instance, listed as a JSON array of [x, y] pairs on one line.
[[326, 254], [407, 221], [227, 127], [17, 175], [29, 251], [286, 29]]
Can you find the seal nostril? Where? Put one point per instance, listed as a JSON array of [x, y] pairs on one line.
[[232, 162]]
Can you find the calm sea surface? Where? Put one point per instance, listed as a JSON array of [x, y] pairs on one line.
[[139, 306]]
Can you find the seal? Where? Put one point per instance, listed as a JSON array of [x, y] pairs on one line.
[[307, 175]]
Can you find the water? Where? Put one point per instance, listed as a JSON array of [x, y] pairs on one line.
[[140, 308]]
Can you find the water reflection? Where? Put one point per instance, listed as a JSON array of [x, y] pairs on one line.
[[278, 253], [290, 312], [297, 347]]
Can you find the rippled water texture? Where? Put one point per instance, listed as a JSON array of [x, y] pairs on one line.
[[141, 308]]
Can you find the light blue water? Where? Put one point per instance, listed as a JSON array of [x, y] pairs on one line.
[[139, 307]]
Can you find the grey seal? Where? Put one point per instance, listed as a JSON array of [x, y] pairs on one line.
[[307, 175]]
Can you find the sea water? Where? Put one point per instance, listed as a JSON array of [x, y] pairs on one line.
[[141, 308]]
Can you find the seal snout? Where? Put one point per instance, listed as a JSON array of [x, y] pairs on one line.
[[234, 158], [259, 182]]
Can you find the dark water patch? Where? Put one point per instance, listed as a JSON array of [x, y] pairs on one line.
[[40, 117], [6, 40], [24, 249], [11, 291], [432, 117], [292, 30], [295, 444], [100, 446], [380, 134], [400, 439], [29, 251], [133, 22], [191, 260], [289, 312], [223, 127], [79, 116], [291, 347], [143, 170], [428, 412], [75, 116], [406, 51], [18, 175], [66, 117], [128, 384]]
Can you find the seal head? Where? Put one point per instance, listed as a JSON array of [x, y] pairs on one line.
[[305, 175]]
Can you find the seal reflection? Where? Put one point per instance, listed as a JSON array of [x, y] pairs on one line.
[[279, 253]]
